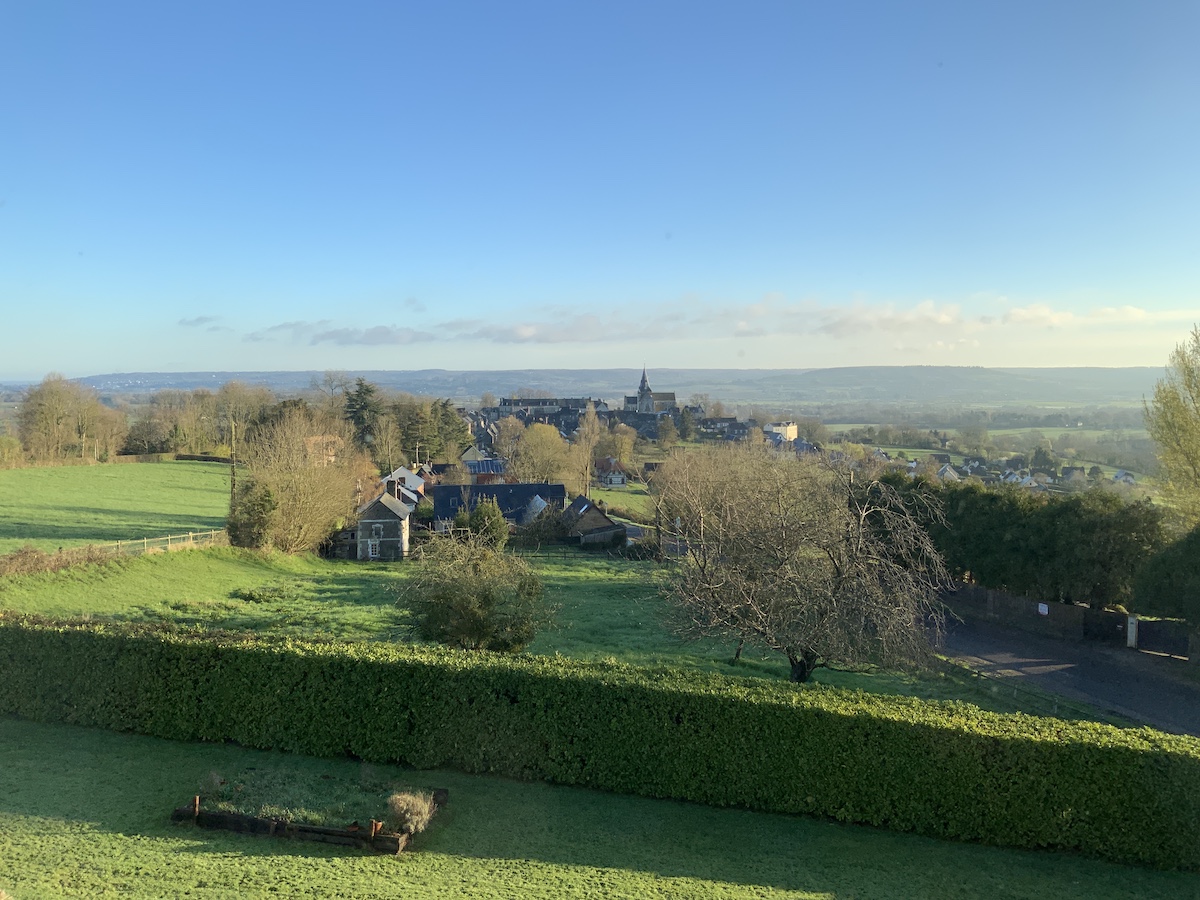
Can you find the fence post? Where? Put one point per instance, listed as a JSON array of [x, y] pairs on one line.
[[1131, 634]]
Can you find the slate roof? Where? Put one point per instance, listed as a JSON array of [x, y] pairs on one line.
[[515, 500]]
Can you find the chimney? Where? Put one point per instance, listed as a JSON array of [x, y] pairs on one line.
[[392, 488]]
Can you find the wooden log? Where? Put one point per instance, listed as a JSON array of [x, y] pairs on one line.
[[374, 838]]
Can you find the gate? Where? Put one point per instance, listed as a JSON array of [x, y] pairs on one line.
[[1162, 636]]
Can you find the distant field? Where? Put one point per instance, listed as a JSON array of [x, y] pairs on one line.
[[633, 497], [85, 815], [67, 506]]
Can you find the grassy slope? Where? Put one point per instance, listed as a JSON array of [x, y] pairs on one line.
[[95, 824], [606, 610], [72, 505]]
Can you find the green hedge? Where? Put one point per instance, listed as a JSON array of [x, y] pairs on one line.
[[942, 769]]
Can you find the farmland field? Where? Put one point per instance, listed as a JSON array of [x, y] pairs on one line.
[[84, 814], [67, 506]]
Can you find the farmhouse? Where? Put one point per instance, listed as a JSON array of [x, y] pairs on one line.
[[382, 529]]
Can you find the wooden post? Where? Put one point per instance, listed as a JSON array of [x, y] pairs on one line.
[[195, 808]]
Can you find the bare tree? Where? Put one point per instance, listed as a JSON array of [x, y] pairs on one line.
[[587, 438], [59, 418], [792, 555], [300, 484], [509, 432]]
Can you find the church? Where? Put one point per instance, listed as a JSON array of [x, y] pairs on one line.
[[651, 402]]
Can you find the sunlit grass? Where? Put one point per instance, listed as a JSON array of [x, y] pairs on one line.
[[67, 506], [85, 814]]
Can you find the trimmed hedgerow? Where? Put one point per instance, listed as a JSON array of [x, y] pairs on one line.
[[937, 768]]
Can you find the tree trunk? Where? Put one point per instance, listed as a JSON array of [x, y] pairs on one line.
[[737, 654], [802, 662]]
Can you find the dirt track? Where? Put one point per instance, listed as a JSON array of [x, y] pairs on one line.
[[1139, 686]]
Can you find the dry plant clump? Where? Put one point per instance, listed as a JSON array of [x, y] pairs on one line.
[[411, 811], [29, 560]]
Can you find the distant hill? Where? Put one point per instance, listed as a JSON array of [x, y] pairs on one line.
[[925, 385]]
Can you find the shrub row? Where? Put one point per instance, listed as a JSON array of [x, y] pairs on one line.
[[942, 769]]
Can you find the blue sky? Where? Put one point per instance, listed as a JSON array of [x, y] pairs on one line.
[[217, 186]]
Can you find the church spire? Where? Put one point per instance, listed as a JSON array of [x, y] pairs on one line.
[[645, 385]]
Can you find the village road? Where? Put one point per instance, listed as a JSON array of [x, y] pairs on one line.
[[1150, 689]]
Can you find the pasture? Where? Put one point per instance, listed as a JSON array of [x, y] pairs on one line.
[[68, 506], [606, 609], [94, 823]]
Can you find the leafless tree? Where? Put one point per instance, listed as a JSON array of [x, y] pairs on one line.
[[587, 438], [794, 556], [302, 481]]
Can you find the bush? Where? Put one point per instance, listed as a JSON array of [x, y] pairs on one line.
[[1169, 583], [942, 769], [470, 595], [29, 560], [488, 524], [410, 811]]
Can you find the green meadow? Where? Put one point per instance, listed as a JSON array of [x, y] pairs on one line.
[[68, 506], [85, 814], [605, 608]]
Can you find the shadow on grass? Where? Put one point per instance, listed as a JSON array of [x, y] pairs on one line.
[[128, 784]]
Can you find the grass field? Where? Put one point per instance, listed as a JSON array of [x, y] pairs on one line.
[[606, 609], [67, 506], [84, 814], [633, 497]]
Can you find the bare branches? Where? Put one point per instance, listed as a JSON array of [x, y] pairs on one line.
[[793, 555]]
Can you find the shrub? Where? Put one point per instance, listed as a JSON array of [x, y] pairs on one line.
[[410, 811], [470, 595], [29, 560]]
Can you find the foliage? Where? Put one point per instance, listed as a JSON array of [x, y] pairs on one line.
[[545, 530], [252, 515], [1169, 583], [945, 770], [468, 594], [1084, 547], [541, 455], [363, 409], [1173, 420], [789, 554], [488, 524]]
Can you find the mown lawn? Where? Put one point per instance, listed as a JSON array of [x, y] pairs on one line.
[[67, 506], [85, 813]]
